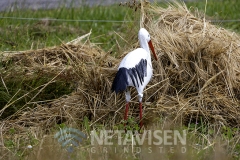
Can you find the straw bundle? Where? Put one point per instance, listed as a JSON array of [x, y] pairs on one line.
[[86, 66], [200, 62]]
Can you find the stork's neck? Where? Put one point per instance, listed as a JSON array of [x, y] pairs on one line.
[[144, 44]]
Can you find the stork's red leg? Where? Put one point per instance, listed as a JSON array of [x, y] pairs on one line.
[[140, 109], [126, 112]]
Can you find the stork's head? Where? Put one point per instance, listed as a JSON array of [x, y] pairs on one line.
[[143, 34]]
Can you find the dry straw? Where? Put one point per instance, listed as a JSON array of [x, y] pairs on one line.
[[201, 62], [197, 75]]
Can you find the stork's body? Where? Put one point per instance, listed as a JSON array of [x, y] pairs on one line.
[[135, 70]]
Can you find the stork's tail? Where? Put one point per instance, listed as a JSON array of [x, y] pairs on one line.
[[120, 81]]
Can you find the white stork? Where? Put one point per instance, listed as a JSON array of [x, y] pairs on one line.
[[135, 70]]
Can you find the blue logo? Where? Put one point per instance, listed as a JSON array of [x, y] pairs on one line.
[[70, 138]]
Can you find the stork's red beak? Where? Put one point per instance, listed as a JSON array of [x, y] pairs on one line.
[[151, 47]]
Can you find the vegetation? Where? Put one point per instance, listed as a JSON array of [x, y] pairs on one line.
[[51, 90], [221, 10], [43, 28], [40, 31]]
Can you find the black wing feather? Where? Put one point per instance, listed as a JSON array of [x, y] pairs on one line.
[[130, 73], [135, 75], [120, 81], [138, 72]]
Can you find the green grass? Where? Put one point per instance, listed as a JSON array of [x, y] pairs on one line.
[[19, 34], [221, 10]]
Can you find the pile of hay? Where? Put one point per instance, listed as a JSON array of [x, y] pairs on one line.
[[197, 75], [84, 65], [201, 63]]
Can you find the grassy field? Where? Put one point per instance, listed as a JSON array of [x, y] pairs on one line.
[[24, 34], [221, 10], [45, 28]]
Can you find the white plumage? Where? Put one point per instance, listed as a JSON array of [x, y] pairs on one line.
[[130, 61]]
